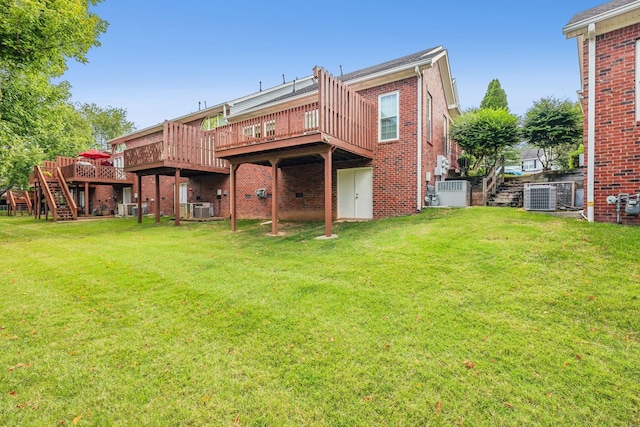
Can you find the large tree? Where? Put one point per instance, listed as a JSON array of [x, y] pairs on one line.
[[37, 121], [495, 97], [555, 126], [106, 123], [483, 133]]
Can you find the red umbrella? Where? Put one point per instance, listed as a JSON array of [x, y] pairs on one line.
[[94, 154]]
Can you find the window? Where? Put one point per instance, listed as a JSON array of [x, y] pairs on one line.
[[529, 165], [637, 82], [270, 128], [429, 115], [445, 136], [251, 131], [213, 122], [311, 119], [388, 117]]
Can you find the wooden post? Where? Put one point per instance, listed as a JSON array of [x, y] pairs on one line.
[[232, 201], [139, 199], [274, 196], [157, 206], [177, 197], [328, 196], [86, 199]]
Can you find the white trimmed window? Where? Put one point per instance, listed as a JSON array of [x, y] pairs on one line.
[[388, 108], [251, 131], [270, 128], [637, 78], [311, 119], [429, 116]]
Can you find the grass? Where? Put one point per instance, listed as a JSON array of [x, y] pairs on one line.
[[451, 317]]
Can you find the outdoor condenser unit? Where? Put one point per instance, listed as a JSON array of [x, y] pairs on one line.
[[202, 210], [540, 198], [456, 194]]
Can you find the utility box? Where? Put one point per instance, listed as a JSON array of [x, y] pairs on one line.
[[456, 194], [632, 207]]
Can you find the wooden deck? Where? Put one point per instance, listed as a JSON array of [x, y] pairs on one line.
[[182, 147], [336, 116], [82, 171]]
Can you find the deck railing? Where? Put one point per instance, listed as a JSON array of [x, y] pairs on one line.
[[181, 144], [338, 112], [86, 171]]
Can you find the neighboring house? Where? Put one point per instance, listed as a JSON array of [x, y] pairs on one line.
[[357, 146], [608, 38], [532, 160]]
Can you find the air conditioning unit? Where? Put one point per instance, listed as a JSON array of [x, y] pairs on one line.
[[186, 210], [202, 210], [442, 165], [540, 198], [453, 193]]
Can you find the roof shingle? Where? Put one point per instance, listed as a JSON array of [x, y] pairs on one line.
[[598, 10]]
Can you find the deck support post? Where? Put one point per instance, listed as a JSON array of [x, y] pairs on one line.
[[86, 199], [139, 198], [274, 196], [157, 200], [328, 196], [232, 201], [177, 197]]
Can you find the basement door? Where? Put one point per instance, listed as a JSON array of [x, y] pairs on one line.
[[355, 193]]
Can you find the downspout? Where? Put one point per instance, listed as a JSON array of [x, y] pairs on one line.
[[591, 120], [419, 142]]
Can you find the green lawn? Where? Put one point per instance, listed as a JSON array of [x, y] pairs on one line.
[[452, 317]]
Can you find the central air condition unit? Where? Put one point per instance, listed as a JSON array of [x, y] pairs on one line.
[[540, 198], [456, 194], [202, 210]]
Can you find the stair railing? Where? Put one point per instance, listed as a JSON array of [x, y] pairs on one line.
[[492, 181], [27, 199], [67, 194], [12, 203], [47, 192]]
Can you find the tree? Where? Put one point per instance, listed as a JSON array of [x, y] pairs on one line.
[[106, 123], [39, 35], [495, 97], [36, 119], [482, 133], [555, 126]]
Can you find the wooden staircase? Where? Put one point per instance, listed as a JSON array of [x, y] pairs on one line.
[[56, 194], [19, 201], [508, 194]]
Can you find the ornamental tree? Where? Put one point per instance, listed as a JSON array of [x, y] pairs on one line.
[[483, 133], [555, 126]]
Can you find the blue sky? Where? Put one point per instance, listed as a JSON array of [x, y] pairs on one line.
[[159, 58]]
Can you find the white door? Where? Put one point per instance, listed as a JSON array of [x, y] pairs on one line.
[[126, 195], [183, 192], [355, 193]]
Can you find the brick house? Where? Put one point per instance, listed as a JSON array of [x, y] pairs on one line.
[[608, 39], [357, 146]]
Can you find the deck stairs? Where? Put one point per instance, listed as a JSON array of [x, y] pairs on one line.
[[510, 193], [19, 201], [57, 195]]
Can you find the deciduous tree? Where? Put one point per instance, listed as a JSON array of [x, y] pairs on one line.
[[555, 126]]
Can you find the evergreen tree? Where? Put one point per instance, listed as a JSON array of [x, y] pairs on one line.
[[495, 97]]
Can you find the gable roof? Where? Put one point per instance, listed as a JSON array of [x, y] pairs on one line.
[[372, 75], [613, 15], [388, 71]]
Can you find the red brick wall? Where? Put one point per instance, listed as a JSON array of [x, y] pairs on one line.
[[617, 136]]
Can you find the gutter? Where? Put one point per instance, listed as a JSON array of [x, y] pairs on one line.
[[591, 119], [601, 17], [419, 142]]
